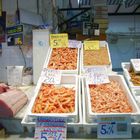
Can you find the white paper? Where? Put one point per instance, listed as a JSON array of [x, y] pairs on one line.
[[96, 75], [14, 75], [114, 126], [136, 64], [50, 76], [75, 44], [50, 128]]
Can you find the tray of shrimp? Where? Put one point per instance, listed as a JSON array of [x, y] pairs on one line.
[[111, 98], [64, 59], [99, 57], [56, 100], [132, 79]]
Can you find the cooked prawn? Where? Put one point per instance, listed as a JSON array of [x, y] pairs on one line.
[[110, 97], [53, 99], [63, 59]]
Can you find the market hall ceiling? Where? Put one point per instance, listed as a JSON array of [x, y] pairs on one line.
[[117, 7], [123, 7]]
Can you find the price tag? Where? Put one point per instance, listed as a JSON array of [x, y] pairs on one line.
[[91, 45], [58, 40], [136, 65], [96, 75], [75, 44], [50, 128], [114, 126], [50, 76]]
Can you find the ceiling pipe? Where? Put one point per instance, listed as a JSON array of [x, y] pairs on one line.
[[37, 3]]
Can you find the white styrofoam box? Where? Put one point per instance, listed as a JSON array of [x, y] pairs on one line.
[[119, 79], [76, 71], [90, 127], [72, 126], [67, 81], [126, 67], [40, 49], [102, 44]]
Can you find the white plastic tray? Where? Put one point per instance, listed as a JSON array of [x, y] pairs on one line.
[[126, 67], [68, 81], [90, 127], [76, 71], [135, 92], [91, 115], [102, 44], [29, 122]]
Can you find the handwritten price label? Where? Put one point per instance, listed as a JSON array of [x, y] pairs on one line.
[[99, 78], [91, 45], [51, 134], [58, 40], [75, 44], [114, 127], [50, 76], [50, 128], [136, 65], [97, 75]]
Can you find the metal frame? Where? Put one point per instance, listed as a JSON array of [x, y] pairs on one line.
[[136, 8], [74, 9], [66, 21], [123, 14], [85, 9], [117, 9]]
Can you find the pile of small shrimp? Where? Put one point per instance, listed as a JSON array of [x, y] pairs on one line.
[[135, 78], [53, 99], [96, 57], [63, 59], [109, 98]]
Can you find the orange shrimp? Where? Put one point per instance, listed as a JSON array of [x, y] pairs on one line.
[[59, 100], [63, 59], [106, 98]]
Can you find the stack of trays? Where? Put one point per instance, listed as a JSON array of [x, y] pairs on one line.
[[99, 57], [64, 107], [61, 100], [133, 84], [131, 109], [64, 59]]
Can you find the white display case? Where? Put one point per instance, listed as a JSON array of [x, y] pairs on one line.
[[102, 44], [91, 116], [75, 71], [91, 126], [75, 127], [66, 81], [126, 68]]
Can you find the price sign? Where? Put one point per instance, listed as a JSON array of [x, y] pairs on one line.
[[75, 44], [91, 45], [58, 40], [114, 127], [50, 128], [136, 65], [50, 76], [96, 75]]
